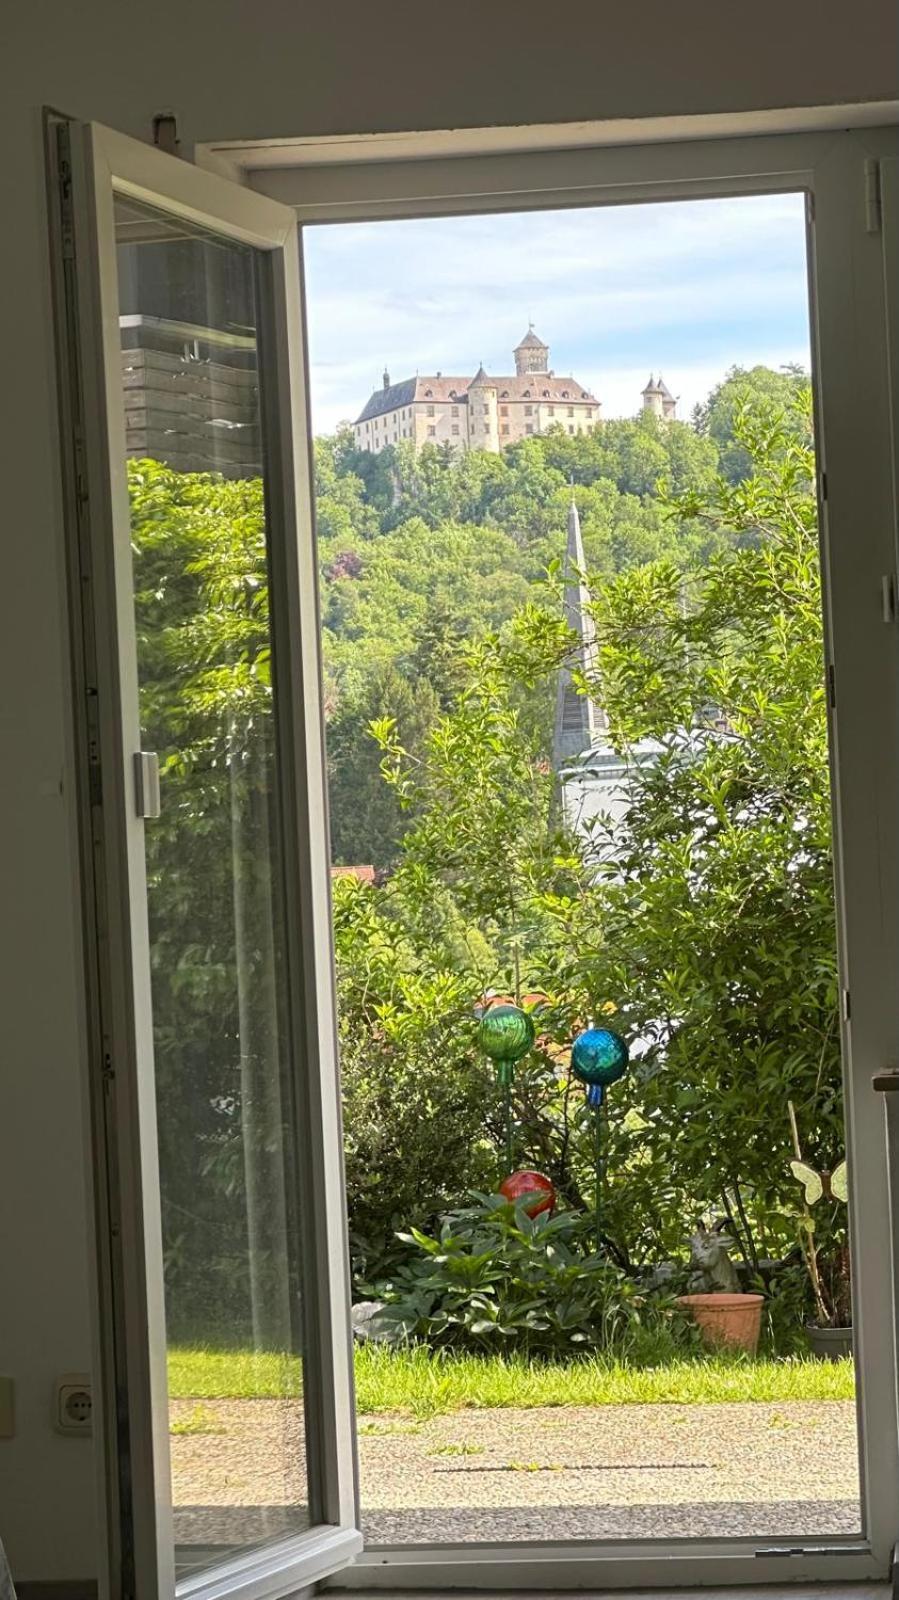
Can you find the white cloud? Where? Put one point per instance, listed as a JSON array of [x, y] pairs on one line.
[[691, 287]]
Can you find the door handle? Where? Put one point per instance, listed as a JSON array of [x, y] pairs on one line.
[[146, 783]]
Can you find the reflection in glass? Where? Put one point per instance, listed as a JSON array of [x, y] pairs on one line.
[[227, 1123]]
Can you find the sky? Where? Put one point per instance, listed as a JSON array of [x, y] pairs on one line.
[[686, 288]]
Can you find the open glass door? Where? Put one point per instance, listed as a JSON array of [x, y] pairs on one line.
[[215, 1100], [508, 1515]]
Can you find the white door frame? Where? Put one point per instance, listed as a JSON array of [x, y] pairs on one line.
[[838, 171], [90, 165]]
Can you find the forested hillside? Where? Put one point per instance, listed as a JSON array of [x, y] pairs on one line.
[[423, 553]]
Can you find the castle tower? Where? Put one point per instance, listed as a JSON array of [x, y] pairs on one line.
[[483, 421], [652, 397], [658, 399], [580, 723], [532, 355]]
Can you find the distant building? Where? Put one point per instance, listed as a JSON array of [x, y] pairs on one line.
[[188, 355], [479, 413], [658, 399]]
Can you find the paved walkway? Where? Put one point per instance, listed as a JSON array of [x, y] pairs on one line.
[[575, 1472]]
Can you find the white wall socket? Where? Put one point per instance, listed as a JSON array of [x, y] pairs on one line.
[[72, 1404]]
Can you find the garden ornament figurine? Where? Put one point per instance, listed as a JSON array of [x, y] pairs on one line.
[[713, 1269]]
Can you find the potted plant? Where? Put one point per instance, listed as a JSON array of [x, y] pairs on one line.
[[725, 1314], [827, 1263]]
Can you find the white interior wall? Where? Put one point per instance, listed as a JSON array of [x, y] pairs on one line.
[[233, 70]]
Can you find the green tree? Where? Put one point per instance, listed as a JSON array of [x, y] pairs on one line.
[[716, 931], [717, 418]]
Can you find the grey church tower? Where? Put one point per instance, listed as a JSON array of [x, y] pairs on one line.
[[580, 723]]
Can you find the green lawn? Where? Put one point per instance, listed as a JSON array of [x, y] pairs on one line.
[[418, 1383]]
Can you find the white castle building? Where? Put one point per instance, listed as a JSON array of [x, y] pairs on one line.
[[479, 413], [487, 412]]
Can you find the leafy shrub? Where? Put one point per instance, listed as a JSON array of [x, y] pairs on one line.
[[493, 1278]]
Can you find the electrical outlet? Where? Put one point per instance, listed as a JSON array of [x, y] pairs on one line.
[[72, 1403]]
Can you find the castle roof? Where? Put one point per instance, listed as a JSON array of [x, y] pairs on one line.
[[658, 386], [531, 341], [531, 386]]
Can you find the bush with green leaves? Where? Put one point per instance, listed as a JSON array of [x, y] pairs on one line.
[[493, 1278]]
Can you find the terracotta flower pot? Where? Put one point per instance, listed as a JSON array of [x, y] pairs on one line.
[[733, 1321]]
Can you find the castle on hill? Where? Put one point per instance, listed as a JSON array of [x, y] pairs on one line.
[[487, 412]]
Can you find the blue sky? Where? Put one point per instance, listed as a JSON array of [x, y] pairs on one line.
[[686, 288]]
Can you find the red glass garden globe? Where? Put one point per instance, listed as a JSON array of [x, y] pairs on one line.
[[519, 1184]]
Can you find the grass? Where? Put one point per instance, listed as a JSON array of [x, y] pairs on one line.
[[415, 1382]]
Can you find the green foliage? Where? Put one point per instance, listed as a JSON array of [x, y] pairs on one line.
[[413, 1093], [717, 419], [715, 895], [494, 1277], [704, 918], [423, 553], [201, 605]]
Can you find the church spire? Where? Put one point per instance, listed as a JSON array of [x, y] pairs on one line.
[[579, 721]]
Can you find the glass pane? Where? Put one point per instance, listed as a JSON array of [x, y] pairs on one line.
[[578, 764], [228, 1144]]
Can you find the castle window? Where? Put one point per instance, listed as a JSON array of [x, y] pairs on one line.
[[529, 427], [431, 432], [504, 395], [455, 411], [571, 428], [428, 393], [455, 427], [551, 410], [546, 394], [504, 411], [504, 428], [571, 411], [527, 394], [430, 411], [528, 411], [564, 394]]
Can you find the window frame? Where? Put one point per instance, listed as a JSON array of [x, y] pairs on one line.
[[857, 512]]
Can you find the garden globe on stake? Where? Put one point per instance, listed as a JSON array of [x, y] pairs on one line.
[[599, 1057], [537, 1185], [506, 1034]]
